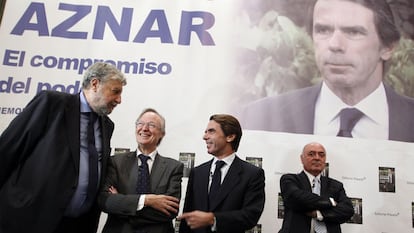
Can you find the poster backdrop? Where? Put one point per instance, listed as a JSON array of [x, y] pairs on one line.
[[190, 59]]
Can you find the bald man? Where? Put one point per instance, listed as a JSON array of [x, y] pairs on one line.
[[313, 201]]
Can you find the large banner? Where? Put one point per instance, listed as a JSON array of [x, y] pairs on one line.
[[191, 59]]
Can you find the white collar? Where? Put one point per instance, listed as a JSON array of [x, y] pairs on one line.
[[228, 159], [373, 106], [311, 177], [151, 155]]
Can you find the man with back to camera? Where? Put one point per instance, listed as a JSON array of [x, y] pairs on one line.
[[130, 208], [352, 41], [53, 154], [313, 203], [225, 194]]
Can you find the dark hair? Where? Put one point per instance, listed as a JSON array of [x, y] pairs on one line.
[[230, 125], [388, 32]]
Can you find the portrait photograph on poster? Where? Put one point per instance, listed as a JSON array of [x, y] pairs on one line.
[[294, 66]]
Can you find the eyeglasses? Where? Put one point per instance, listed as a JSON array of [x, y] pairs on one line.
[[150, 125]]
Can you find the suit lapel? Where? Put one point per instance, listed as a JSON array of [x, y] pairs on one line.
[[324, 186], [304, 180], [72, 121], [106, 130], [308, 107], [400, 116], [129, 169], [299, 110], [157, 171], [201, 184], [230, 180]]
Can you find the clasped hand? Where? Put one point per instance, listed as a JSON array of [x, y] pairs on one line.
[[163, 203]]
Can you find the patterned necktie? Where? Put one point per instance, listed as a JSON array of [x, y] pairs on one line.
[[93, 161], [216, 181], [143, 175], [319, 226], [348, 117]]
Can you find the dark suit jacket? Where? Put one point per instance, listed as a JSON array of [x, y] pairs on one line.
[[299, 199], [123, 217], [294, 112], [40, 164], [240, 202]]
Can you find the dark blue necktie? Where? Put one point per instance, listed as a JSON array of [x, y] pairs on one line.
[[348, 117], [93, 161], [143, 182], [215, 182]]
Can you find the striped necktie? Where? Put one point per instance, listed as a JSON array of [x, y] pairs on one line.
[[319, 226]]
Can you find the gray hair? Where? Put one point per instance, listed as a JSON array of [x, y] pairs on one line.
[[162, 127], [103, 72]]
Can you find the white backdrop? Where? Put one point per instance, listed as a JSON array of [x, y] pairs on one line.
[[201, 82]]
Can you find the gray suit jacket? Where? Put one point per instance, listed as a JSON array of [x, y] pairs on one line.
[[294, 112], [123, 217]]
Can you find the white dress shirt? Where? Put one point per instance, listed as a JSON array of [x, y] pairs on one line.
[[150, 162], [374, 124], [228, 160]]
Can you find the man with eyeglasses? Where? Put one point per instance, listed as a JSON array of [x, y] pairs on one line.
[[313, 203], [142, 188]]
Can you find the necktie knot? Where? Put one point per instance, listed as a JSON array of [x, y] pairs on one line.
[[220, 164], [92, 117], [348, 119], [316, 186], [143, 158]]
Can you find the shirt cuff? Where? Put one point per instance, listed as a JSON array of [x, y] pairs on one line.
[[141, 202], [319, 215], [333, 202], [214, 226]]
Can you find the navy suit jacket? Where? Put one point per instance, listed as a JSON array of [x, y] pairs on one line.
[[239, 203], [123, 217], [298, 199], [294, 112], [40, 153]]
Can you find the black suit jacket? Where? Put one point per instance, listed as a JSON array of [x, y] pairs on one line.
[[294, 112], [298, 199], [239, 204], [123, 217], [39, 154]]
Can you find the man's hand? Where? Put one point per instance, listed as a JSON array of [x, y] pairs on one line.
[[197, 219], [163, 203], [112, 190], [311, 214]]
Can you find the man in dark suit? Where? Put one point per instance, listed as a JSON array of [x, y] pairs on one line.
[[131, 209], [313, 203], [350, 51], [46, 184], [226, 199]]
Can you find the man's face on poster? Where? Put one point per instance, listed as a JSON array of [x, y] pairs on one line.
[[348, 51]]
